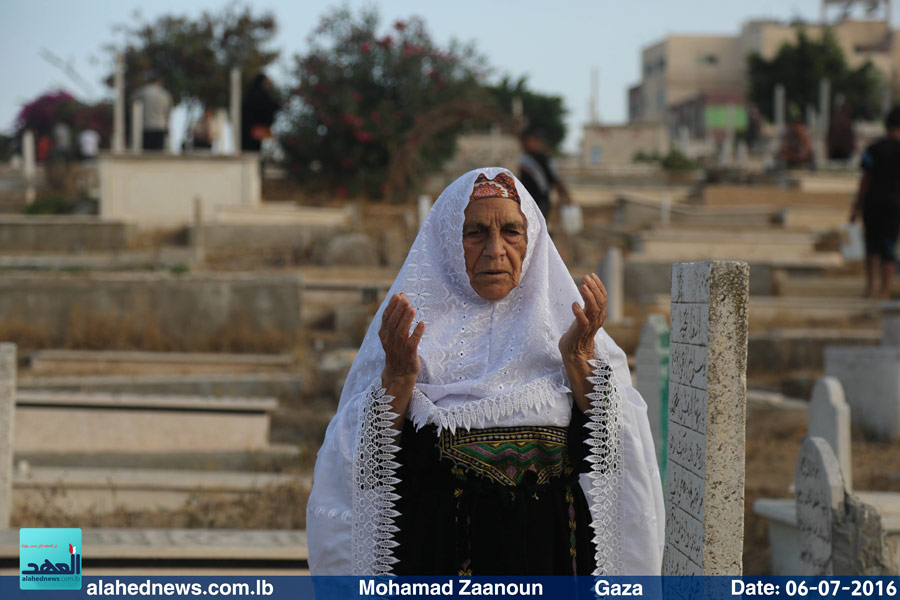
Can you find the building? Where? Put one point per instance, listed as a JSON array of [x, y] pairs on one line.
[[605, 146], [682, 72], [681, 67], [708, 115]]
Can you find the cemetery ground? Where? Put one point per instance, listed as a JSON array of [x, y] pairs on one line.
[[774, 437], [258, 311]]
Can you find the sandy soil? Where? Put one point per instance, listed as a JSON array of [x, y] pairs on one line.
[[773, 445]]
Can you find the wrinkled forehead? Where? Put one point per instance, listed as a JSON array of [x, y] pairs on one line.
[[492, 209]]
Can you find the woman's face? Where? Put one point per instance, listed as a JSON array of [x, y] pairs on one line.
[[494, 240]]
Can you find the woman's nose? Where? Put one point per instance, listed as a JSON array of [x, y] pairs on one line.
[[494, 245]]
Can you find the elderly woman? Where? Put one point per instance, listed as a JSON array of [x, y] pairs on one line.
[[488, 424]]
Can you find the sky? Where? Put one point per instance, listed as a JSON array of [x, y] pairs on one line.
[[554, 43]]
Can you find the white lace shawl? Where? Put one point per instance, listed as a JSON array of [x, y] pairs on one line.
[[504, 357]]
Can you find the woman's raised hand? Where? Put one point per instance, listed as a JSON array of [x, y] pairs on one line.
[[401, 349], [401, 354], [578, 341], [577, 344]]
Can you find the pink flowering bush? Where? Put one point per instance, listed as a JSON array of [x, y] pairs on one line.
[[359, 91], [50, 108]]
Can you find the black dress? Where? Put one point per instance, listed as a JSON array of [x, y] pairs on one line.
[[499, 501]]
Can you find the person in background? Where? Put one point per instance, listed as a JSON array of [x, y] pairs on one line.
[[43, 148], [796, 148], [258, 110], [537, 172], [878, 202], [841, 138], [206, 130], [62, 141], [88, 144], [754, 127], [157, 105]]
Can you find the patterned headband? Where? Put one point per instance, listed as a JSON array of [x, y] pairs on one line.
[[501, 186]]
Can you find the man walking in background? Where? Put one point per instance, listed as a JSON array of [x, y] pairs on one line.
[[878, 201], [157, 105], [537, 173]]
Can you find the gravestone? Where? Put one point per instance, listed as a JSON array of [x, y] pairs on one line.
[[780, 113], [819, 497], [780, 102], [707, 406], [137, 127], [424, 207], [611, 270], [727, 150], [870, 377], [28, 165], [829, 419], [890, 323], [351, 249], [118, 136], [197, 234], [820, 134], [235, 109], [741, 154], [864, 541], [7, 413], [652, 381]]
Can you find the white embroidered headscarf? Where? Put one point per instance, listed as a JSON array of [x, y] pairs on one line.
[[501, 358]]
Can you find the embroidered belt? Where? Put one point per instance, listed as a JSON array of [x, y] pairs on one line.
[[507, 454]]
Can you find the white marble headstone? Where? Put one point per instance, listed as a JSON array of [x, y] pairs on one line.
[[611, 274], [651, 376], [819, 496], [829, 419]]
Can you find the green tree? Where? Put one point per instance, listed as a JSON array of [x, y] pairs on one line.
[[7, 147], [371, 110], [194, 57], [544, 112], [800, 67]]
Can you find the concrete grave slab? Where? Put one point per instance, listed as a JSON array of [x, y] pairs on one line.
[[7, 428], [93, 422], [707, 397]]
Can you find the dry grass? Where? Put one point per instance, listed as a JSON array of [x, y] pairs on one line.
[[141, 330], [25, 335], [278, 507]]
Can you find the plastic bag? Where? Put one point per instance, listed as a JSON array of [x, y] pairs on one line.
[[572, 221], [852, 246]]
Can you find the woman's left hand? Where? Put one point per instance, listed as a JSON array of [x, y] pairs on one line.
[[578, 341], [577, 344]]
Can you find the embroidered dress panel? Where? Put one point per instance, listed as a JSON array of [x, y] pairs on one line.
[[506, 454]]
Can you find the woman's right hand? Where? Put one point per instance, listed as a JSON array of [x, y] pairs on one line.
[[401, 351]]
